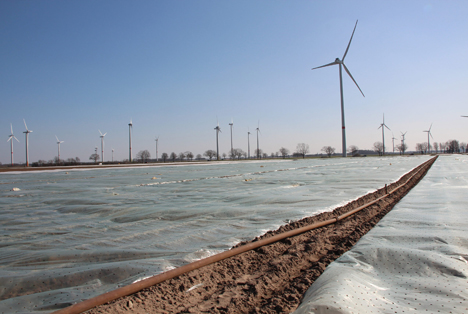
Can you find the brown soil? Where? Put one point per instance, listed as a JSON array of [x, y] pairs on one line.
[[270, 279]]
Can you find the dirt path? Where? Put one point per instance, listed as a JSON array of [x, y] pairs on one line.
[[270, 279]]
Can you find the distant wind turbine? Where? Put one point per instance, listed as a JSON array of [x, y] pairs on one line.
[[112, 155], [403, 140], [258, 147], [27, 142], [10, 139], [393, 142], [428, 142], [383, 126], [218, 129], [248, 142], [130, 127], [58, 143], [232, 149], [102, 145], [157, 141], [341, 63]]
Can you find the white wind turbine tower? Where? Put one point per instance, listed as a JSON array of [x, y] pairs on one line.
[[248, 142], [102, 145], [428, 142], [383, 126], [112, 155], [157, 141], [218, 129], [130, 127], [258, 147], [341, 63], [27, 142], [232, 148], [10, 139], [393, 142], [58, 143]]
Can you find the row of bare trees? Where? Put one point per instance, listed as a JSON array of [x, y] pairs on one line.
[[449, 147]]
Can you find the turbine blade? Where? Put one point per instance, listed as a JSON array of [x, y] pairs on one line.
[[9, 138], [16, 139], [431, 135], [349, 44], [387, 127], [326, 65], [57, 138], [465, 116], [100, 132], [11, 126], [104, 134], [25, 125], [347, 71], [430, 128], [379, 127]]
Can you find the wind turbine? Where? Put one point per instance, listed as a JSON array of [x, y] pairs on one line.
[[341, 63], [58, 143], [248, 141], [393, 142], [27, 142], [232, 149], [102, 145], [10, 139], [112, 155], [157, 141], [258, 149], [130, 127], [403, 141], [428, 142], [382, 125], [218, 129]]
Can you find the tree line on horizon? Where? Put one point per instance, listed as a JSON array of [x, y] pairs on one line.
[[302, 149]]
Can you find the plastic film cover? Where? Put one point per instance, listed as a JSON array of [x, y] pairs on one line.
[[414, 260]]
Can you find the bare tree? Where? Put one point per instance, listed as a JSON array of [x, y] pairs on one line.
[[265, 155], [353, 150], [143, 155], [189, 155], [164, 156], [453, 146], [173, 156], [402, 148], [210, 154], [463, 147], [224, 155], [421, 148], [284, 152], [238, 153], [181, 156], [378, 147], [328, 150], [442, 147], [302, 149], [436, 147], [199, 157], [94, 157]]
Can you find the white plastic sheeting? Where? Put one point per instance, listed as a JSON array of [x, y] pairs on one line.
[[414, 260]]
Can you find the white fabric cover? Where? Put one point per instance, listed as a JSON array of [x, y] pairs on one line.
[[414, 260]]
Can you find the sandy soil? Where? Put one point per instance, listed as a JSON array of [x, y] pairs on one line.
[[271, 279]]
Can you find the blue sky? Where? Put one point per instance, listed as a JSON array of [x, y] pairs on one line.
[[72, 67]]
